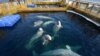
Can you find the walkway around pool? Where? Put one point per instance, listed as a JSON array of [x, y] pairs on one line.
[[14, 7], [87, 9]]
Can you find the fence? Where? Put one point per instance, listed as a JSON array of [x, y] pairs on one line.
[[88, 7]]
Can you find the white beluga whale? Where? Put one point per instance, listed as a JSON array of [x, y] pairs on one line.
[[44, 17], [60, 52], [38, 23], [57, 27], [48, 23], [46, 39], [34, 38]]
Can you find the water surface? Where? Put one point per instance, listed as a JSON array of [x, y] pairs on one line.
[[76, 32]]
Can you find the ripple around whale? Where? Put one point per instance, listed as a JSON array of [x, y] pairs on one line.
[[76, 32]]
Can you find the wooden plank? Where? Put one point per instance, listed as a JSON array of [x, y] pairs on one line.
[[46, 3], [11, 8], [42, 9]]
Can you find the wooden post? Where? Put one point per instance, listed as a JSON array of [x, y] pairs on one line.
[[73, 4], [91, 8], [86, 6], [98, 11], [68, 3], [77, 3], [18, 1], [63, 2]]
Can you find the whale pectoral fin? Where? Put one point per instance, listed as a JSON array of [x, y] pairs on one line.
[[45, 42], [68, 47]]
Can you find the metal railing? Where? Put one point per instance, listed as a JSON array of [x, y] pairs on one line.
[[88, 7], [46, 0]]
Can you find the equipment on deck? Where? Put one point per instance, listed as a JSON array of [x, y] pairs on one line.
[[9, 20]]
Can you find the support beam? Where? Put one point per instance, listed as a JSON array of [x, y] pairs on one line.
[[11, 0]]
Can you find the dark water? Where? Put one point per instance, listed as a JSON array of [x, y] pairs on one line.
[[76, 32]]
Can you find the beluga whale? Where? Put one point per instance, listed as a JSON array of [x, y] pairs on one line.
[[60, 52], [57, 27], [38, 23], [47, 23], [34, 38], [44, 17], [46, 39]]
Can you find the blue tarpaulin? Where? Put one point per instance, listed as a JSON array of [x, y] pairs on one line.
[[31, 5], [9, 20]]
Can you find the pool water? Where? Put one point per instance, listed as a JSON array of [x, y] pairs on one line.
[[76, 32]]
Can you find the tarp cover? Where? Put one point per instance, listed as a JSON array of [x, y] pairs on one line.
[[31, 5], [9, 20]]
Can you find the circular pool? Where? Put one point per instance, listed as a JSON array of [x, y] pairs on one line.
[[23, 38]]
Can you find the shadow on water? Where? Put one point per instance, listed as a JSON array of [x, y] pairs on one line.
[[76, 32]]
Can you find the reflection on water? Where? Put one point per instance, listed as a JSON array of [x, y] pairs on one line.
[[1, 33], [76, 31]]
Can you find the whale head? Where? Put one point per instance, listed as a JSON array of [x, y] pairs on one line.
[[39, 32], [58, 24], [40, 29], [46, 39]]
